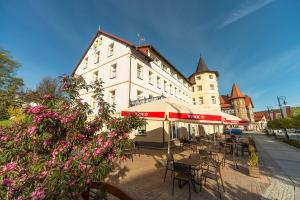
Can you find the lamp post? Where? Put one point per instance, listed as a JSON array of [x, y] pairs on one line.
[[271, 118], [282, 100]]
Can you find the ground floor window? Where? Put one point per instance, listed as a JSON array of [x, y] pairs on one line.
[[174, 130], [141, 130]]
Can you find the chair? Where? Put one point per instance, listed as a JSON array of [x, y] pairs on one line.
[[183, 173], [212, 172], [169, 166]]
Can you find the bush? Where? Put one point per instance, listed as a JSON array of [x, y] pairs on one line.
[[4, 115], [253, 157], [58, 151], [16, 114]]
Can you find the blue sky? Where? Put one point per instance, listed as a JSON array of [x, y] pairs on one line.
[[255, 43]]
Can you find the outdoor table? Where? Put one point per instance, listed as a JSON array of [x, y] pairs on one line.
[[192, 162]]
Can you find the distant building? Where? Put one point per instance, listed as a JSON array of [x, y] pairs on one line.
[[261, 120], [239, 105]]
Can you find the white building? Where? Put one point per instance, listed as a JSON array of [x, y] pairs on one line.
[[130, 73], [136, 74]]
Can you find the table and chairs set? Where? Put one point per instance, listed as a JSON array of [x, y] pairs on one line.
[[205, 160]]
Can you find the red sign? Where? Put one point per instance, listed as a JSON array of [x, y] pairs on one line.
[[144, 114], [241, 122], [203, 117]]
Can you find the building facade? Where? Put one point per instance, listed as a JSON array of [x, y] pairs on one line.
[[239, 105], [134, 75], [130, 73]]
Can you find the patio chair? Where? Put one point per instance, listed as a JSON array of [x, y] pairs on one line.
[[169, 166], [127, 152], [212, 172], [183, 174]]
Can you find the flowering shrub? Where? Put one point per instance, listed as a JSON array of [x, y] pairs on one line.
[[59, 149]]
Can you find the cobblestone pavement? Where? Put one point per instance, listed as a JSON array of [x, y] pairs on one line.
[[143, 179], [281, 163]]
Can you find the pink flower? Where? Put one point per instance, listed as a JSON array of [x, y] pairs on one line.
[[36, 109], [107, 144], [31, 130], [97, 151], [7, 182], [38, 194], [9, 167]]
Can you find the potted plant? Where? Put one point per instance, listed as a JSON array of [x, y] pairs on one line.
[[253, 163]]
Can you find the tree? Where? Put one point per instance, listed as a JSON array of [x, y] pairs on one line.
[[48, 86], [9, 83], [58, 151]]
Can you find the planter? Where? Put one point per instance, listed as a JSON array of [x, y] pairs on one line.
[[253, 171]]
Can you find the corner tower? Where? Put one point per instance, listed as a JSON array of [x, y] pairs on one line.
[[205, 87], [238, 102]]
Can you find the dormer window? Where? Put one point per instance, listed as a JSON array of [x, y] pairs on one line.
[[97, 57], [111, 49], [86, 62]]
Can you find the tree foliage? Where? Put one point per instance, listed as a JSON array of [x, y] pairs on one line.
[[48, 86], [9, 83], [58, 150], [285, 123]]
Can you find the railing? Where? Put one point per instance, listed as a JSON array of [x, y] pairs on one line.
[[145, 100]]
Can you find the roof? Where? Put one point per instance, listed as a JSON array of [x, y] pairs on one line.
[[235, 92], [139, 49], [259, 115], [144, 49], [225, 101], [248, 101], [201, 67]]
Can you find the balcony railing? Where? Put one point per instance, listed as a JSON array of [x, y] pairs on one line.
[[145, 100]]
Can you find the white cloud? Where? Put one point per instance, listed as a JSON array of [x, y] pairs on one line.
[[245, 9]]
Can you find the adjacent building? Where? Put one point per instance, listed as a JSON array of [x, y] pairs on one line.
[[239, 105], [205, 92]]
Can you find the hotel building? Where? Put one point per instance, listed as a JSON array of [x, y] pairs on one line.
[[134, 75]]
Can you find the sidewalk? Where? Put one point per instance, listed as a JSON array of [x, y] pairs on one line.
[[282, 162]]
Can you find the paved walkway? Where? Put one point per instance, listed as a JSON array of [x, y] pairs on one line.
[[282, 162]]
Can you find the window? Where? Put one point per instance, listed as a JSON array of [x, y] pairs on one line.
[[140, 71], [165, 86], [112, 97], [193, 89], [199, 88], [194, 101], [141, 130], [212, 87], [213, 100], [175, 91], [111, 49], [97, 57], [165, 68], [86, 62], [198, 77], [211, 76], [171, 92], [95, 75], [150, 78], [139, 95], [150, 96], [158, 82], [200, 100], [154, 58], [113, 71], [93, 102]]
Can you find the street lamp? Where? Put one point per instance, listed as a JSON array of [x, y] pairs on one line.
[[282, 100]]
